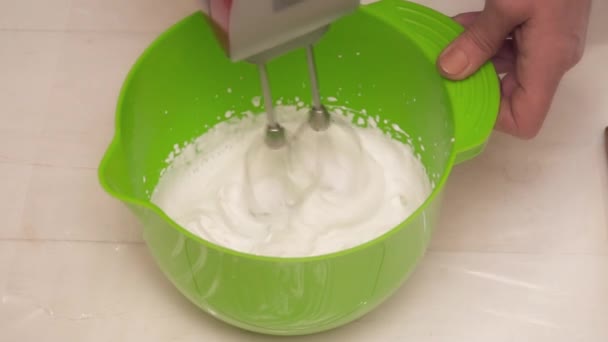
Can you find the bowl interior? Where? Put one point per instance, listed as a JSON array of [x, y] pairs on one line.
[[184, 84]]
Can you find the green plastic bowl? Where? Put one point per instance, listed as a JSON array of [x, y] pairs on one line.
[[381, 59]]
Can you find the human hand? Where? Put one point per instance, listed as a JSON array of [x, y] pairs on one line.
[[533, 42]]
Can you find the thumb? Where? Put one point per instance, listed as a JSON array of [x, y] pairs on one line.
[[479, 43]]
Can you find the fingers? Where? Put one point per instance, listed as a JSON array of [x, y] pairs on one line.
[[466, 19], [482, 39], [504, 60], [527, 94], [548, 39], [522, 111]]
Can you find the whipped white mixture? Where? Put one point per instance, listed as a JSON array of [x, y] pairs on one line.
[[323, 193]]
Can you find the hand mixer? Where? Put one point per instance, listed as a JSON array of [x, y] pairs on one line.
[[260, 30]]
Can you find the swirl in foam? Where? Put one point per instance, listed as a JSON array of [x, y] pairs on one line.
[[325, 192]]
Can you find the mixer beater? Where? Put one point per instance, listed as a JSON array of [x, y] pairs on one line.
[[318, 119], [319, 116], [275, 133], [258, 31]]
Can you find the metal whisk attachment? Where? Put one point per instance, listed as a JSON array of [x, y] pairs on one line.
[[319, 116], [275, 133]]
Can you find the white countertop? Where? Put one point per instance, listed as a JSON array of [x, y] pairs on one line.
[[521, 252]]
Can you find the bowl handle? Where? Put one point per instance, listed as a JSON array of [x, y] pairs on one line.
[[475, 101]]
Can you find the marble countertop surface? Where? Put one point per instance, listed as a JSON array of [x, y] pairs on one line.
[[520, 254]]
